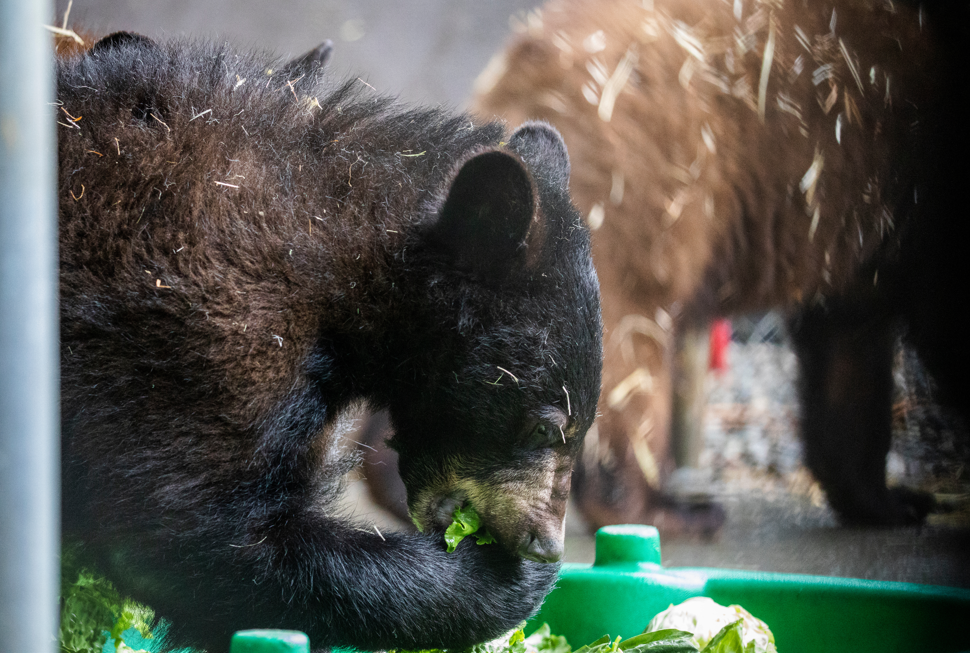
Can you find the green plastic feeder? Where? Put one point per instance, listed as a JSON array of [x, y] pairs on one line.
[[269, 641], [626, 586]]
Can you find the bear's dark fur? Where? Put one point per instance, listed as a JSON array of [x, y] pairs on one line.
[[246, 254], [745, 155]]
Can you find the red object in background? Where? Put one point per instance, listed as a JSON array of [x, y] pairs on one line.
[[720, 337]]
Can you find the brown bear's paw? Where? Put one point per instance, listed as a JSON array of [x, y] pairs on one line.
[[893, 507]]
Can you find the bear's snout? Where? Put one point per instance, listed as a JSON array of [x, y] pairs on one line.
[[524, 510], [527, 514], [541, 547]]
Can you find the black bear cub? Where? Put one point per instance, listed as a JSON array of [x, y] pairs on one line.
[[247, 253]]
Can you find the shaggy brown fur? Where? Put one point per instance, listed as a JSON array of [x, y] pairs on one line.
[[247, 251], [749, 155]]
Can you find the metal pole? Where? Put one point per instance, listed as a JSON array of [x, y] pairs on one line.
[[29, 416]]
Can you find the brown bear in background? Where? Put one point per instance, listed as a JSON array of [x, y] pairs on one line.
[[742, 155]]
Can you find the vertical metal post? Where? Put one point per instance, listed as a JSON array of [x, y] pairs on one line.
[[29, 418]]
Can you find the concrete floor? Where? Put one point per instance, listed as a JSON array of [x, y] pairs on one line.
[[430, 51]]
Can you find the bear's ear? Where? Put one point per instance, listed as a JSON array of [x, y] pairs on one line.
[[484, 221], [119, 39], [542, 147], [309, 62]]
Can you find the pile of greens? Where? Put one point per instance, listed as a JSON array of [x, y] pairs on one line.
[[95, 618], [743, 633], [727, 640], [670, 640], [541, 641]]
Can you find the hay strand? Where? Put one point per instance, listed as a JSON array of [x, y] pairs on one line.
[[616, 82], [514, 377], [69, 33], [766, 68]]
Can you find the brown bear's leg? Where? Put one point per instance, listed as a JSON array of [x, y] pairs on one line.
[[627, 457], [613, 490], [691, 361], [846, 393]]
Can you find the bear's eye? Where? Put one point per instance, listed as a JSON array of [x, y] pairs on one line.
[[543, 435]]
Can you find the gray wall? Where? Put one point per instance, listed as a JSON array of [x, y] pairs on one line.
[[426, 51]]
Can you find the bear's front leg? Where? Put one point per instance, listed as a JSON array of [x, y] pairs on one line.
[[845, 355], [346, 586]]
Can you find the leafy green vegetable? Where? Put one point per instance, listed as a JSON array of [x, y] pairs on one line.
[[541, 641], [95, 618], [465, 522], [669, 640], [709, 621], [92, 611], [661, 641], [728, 640]]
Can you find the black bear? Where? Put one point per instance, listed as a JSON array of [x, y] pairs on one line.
[[745, 155], [247, 252]]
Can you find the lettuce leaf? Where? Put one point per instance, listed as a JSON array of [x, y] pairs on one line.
[[465, 522], [728, 640], [669, 640]]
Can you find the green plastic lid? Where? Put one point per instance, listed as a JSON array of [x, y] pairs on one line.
[[270, 641], [627, 543]]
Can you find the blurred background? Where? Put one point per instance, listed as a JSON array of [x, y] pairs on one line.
[[430, 52], [426, 51]]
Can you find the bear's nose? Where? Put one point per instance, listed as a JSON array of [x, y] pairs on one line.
[[541, 549]]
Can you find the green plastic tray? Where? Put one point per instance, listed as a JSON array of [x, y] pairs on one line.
[[626, 586]]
